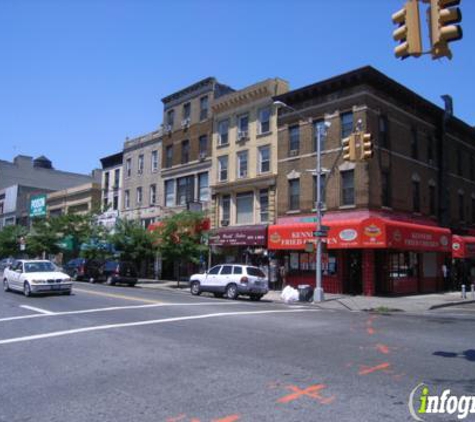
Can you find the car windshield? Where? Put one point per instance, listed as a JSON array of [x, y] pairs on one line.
[[256, 272], [39, 267]]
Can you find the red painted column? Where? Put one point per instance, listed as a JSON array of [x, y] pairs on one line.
[[368, 272]]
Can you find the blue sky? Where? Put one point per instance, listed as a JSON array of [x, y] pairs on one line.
[[77, 77]]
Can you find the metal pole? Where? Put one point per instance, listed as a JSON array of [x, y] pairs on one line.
[[319, 295]]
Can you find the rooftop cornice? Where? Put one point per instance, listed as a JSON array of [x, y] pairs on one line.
[[210, 81]]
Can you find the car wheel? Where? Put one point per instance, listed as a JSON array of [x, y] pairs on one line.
[[91, 280], [6, 287], [218, 295], [26, 289], [110, 281], [195, 288], [232, 292], [256, 297]]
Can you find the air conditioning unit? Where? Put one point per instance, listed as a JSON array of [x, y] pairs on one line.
[[225, 223], [243, 135], [202, 156], [168, 128], [244, 173], [294, 152], [185, 123]]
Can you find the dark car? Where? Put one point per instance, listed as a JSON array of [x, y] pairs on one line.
[[84, 269], [116, 272]]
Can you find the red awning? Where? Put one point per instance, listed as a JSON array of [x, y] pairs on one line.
[[371, 233], [463, 246]]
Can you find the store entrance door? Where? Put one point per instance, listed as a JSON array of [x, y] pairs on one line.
[[354, 281]]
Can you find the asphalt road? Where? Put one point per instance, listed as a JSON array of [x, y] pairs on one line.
[[131, 354]]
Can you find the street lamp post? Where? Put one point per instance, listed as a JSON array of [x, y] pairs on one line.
[[321, 132]]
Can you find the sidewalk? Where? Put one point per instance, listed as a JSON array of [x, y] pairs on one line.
[[412, 304]]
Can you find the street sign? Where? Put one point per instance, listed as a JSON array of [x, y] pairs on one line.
[[321, 233], [38, 206]]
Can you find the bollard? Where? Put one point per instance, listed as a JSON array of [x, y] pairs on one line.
[[464, 292], [472, 288]]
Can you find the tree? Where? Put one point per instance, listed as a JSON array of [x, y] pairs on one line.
[[9, 240], [182, 238]]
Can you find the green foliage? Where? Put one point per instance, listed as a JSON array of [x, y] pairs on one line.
[[9, 238]]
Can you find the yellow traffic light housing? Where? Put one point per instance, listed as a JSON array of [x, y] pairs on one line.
[[349, 148], [366, 146], [442, 31], [409, 31]]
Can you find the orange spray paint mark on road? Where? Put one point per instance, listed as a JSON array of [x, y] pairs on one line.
[[230, 418], [177, 418], [312, 391], [383, 349], [365, 370]]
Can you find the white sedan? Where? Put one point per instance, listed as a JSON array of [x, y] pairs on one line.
[[36, 276]]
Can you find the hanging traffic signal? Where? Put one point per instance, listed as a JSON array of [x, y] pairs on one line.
[[409, 31], [349, 148], [366, 146], [442, 31]]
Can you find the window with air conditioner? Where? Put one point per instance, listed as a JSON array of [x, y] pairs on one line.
[[243, 127], [294, 140]]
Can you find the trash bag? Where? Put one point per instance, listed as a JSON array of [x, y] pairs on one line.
[[289, 294]]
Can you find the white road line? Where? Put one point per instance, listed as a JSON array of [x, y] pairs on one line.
[[142, 323], [114, 308], [41, 311]]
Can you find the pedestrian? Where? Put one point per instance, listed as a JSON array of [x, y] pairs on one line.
[[445, 275], [283, 275]]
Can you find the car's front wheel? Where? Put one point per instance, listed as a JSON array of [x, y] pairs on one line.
[[27, 289], [232, 292], [195, 288], [6, 287]]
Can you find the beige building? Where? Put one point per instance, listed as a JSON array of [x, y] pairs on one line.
[[141, 179], [76, 200], [244, 167]]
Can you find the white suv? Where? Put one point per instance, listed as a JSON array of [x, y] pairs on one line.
[[231, 280]]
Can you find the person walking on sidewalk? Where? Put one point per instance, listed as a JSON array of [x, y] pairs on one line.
[[283, 275]]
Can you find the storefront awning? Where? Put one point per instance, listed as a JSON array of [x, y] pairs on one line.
[[255, 235], [371, 233], [463, 247]]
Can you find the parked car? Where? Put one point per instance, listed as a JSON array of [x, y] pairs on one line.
[[231, 280], [35, 276], [119, 272], [84, 269]]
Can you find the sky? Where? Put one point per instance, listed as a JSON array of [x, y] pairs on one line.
[[79, 76]]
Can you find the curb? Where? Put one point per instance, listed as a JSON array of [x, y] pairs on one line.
[[446, 305]]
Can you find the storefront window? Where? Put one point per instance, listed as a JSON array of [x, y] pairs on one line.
[[304, 261], [403, 264]]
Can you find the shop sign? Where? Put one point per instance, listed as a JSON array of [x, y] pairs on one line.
[[38, 206], [416, 239], [291, 238], [239, 237]]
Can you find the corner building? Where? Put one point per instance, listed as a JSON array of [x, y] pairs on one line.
[[390, 218]]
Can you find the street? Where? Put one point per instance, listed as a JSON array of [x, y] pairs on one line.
[[137, 354]]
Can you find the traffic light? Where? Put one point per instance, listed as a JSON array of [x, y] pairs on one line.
[[366, 146], [349, 148], [409, 31], [442, 15]]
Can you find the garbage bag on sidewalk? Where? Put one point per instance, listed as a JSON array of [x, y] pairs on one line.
[[289, 294]]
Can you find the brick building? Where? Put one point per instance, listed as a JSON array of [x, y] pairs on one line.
[[391, 218]]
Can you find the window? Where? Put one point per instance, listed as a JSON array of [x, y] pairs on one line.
[[185, 151], [154, 160], [203, 187], [140, 164], [139, 196], [170, 118], [294, 194], [223, 168], [127, 199], [106, 182], [264, 159], [186, 111], [243, 126], [385, 188], [128, 167], [237, 270], [169, 156], [264, 205], [105, 204], [416, 204], [403, 265], [223, 132], [169, 192], [116, 179], [414, 144], [227, 269], [348, 187], [185, 190], [203, 108], [115, 205], [432, 209], [294, 140], [153, 194], [430, 149], [346, 124], [461, 207], [383, 131], [264, 120], [322, 189], [319, 126], [226, 208], [242, 164], [245, 208], [215, 270], [459, 163], [203, 144]]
